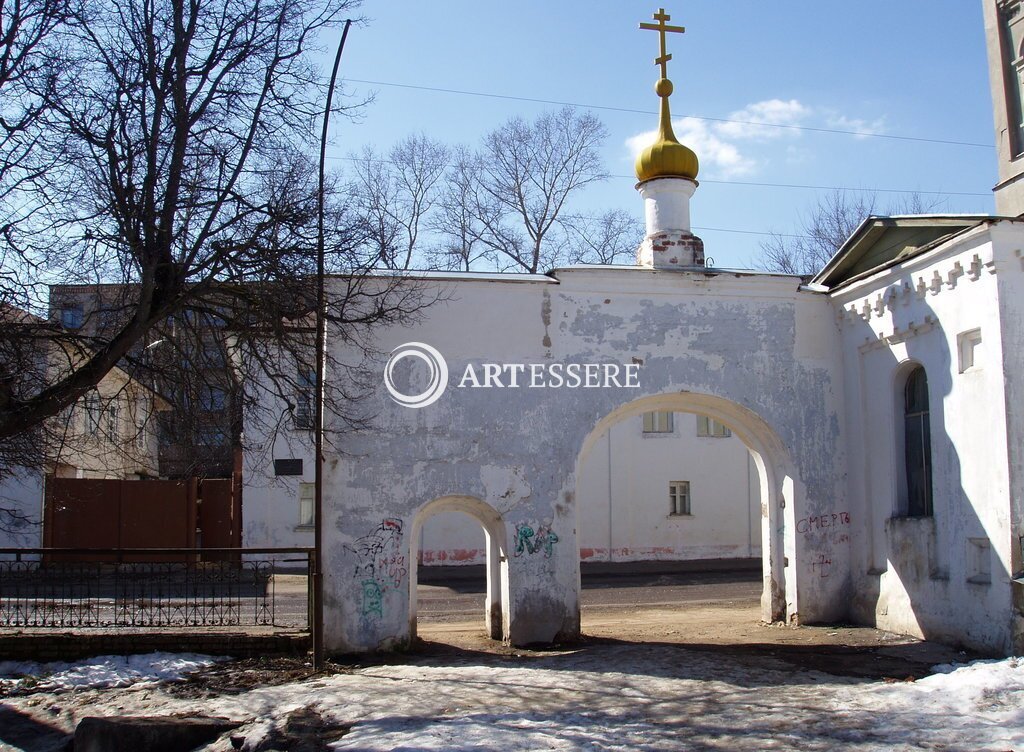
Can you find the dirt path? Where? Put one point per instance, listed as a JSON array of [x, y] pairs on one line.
[[731, 628]]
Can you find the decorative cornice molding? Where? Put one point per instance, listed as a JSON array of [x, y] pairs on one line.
[[899, 334], [916, 286]]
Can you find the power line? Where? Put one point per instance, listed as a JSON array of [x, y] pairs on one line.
[[833, 187], [712, 229], [813, 129], [767, 185], [751, 232]]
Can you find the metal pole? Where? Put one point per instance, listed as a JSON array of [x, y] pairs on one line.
[[321, 345]]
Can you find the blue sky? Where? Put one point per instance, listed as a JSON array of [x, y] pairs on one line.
[[895, 68]]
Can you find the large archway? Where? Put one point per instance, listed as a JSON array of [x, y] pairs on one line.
[[496, 605], [779, 485]]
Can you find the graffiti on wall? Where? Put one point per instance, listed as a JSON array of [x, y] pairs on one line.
[[380, 564], [821, 565], [372, 599], [531, 541], [824, 522]]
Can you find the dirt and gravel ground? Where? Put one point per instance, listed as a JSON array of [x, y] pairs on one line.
[[717, 611]]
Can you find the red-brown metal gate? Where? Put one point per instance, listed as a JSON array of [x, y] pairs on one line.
[[220, 517], [90, 513]]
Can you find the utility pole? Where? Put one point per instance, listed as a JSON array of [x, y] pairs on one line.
[[321, 353]]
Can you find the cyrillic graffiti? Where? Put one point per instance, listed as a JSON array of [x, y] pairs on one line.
[[823, 522]]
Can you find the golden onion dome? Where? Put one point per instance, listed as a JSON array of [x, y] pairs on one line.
[[666, 157]]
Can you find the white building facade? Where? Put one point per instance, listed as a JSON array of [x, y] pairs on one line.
[[949, 571], [753, 352], [809, 380], [879, 407], [661, 486], [110, 433]]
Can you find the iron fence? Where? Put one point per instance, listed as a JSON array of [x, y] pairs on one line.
[[155, 588]]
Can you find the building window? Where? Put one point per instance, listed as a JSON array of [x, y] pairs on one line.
[[679, 498], [304, 395], [214, 355], [209, 435], [142, 424], [307, 510], [917, 445], [113, 419], [93, 412], [1011, 41], [658, 422], [71, 317], [711, 428], [212, 398]]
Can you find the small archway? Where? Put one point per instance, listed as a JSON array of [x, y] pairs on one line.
[[780, 488], [496, 606]]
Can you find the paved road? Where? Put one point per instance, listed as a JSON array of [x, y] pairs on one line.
[[460, 599]]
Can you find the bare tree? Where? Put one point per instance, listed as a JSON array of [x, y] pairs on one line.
[[396, 195], [173, 189], [825, 228], [27, 65], [610, 238], [528, 172], [456, 221], [502, 206]]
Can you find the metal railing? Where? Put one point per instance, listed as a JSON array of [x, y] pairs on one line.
[[155, 588]]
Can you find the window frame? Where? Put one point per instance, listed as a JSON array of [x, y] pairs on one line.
[[92, 412], [142, 411], [213, 398], [72, 316], [709, 428], [112, 418], [304, 413], [675, 497], [307, 520], [916, 498], [658, 422]]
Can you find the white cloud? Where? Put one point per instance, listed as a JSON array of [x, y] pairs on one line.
[[755, 121], [716, 155], [725, 147], [864, 128]]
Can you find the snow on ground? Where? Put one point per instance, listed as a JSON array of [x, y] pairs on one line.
[[604, 697], [103, 671], [983, 698]]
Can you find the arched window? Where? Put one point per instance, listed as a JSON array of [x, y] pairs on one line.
[[917, 444]]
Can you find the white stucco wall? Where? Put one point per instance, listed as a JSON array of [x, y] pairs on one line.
[[270, 504], [21, 509], [753, 352], [811, 383], [634, 469], [452, 539], [1008, 260], [932, 577]]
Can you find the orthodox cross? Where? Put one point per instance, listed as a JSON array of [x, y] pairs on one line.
[[662, 28]]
